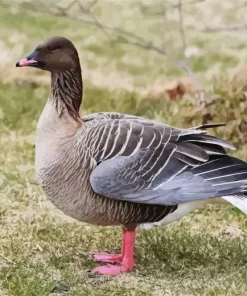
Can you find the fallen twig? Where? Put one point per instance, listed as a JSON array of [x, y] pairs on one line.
[[6, 259]]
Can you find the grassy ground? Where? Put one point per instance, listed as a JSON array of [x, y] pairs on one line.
[[40, 248]]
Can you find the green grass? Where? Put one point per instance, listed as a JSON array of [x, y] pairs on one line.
[[40, 248], [58, 252]]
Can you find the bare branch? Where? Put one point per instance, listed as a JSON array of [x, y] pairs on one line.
[[71, 4], [136, 40], [62, 11], [233, 28], [139, 41], [128, 37], [131, 38], [187, 65], [90, 5], [86, 8], [181, 24], [188, 3]]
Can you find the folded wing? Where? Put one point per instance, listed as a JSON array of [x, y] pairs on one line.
[[146, 162]]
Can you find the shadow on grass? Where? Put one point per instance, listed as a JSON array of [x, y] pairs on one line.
[[180, 250]]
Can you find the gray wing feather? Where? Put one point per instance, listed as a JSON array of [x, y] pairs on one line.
[[225, 176], [143, 161]]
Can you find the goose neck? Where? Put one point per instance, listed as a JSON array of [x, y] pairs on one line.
[[66, 93]]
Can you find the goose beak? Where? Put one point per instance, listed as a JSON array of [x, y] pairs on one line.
[[31, 60]]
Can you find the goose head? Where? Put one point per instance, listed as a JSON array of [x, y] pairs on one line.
[[56, 54], [59, 56]]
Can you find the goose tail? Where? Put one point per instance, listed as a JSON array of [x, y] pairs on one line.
[[238, 200]]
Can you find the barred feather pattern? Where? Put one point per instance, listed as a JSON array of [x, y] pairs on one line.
[[65, 181], [117, 168], [63, 170], [67, 91]]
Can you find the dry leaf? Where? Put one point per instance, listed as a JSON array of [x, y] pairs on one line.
[[172, 89]]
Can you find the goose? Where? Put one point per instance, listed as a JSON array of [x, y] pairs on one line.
[[111, 168]]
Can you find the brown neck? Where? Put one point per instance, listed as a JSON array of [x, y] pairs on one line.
[[66, 92]]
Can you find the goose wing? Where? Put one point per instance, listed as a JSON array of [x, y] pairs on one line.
[[142, 161]]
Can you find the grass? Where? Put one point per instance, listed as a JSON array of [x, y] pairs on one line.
[[40, 248]]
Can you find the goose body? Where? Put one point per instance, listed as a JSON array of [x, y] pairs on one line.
[[119, 169], [74, 162]]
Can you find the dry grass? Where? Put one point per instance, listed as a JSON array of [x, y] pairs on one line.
[[205, 253]]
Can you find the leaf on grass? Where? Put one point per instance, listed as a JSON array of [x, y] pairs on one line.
[[172, 89]]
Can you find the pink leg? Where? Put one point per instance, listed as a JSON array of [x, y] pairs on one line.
[[104, 257], [127, 263]]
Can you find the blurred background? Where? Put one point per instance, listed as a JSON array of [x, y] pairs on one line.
[[179, 62], [156, 52]]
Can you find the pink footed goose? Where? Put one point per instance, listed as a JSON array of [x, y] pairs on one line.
[[119, 169]]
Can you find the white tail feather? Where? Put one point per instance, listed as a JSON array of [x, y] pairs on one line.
[[239, 201]]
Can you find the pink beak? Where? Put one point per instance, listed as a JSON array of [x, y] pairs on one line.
[[25, 62], [31, 60]]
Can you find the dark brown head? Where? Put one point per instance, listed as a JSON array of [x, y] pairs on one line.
[[56, 54]]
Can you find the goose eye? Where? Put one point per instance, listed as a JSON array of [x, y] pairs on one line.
[[53, 49]]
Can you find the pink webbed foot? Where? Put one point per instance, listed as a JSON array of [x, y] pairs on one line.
[[109, 269], [126, 259], [104, 257]]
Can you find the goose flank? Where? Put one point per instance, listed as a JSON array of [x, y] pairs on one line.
[[119, 169]]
